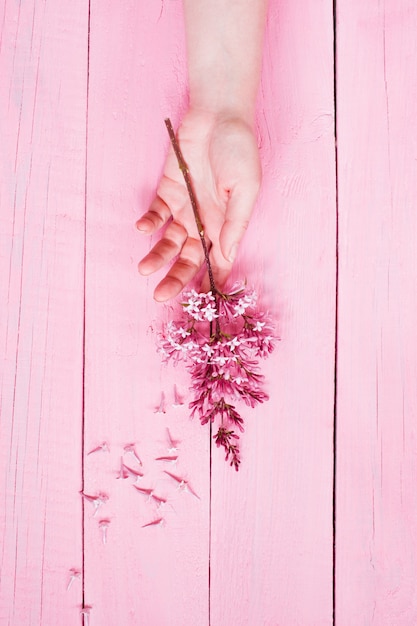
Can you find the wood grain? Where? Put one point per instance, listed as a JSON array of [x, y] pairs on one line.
[[84, 90], [155, 574], [43, 67], [271, 544], [376, 431]]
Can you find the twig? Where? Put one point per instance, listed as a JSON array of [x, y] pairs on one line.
[[185, 172]]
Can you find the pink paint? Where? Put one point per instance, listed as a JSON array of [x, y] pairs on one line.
[[42, 164], [146, 537], [377, 460], [272, 522], [154, 566]]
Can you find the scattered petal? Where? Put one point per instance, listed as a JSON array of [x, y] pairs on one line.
[[133, 472], [97, 501], [161, 408], [103, 525], [183, 485], [75, 574], [85, 613], [167, 459], [130, 449], [144, 492], [157, 522], [172, 443], [123, 473], [103, 447], [159, 501], [178, 400]]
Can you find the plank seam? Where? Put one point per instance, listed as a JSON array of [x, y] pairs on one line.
[[84, 311], [334, 495]]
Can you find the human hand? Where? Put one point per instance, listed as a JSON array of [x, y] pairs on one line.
[[222, 155]]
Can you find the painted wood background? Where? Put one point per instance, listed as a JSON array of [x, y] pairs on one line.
[[320, 524]]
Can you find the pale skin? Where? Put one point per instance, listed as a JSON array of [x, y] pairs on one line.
[[224, 49]]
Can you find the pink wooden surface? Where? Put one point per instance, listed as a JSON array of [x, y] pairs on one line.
[[79, 367], [152, 575], [271, 543], [377, 365], [42, 164]]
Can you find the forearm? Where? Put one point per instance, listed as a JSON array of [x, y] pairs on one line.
[[224, 44]]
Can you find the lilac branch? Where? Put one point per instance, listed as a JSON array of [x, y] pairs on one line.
[[185, 172], [221, 336]]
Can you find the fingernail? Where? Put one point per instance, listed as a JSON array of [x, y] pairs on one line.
[[233, 252], [141, 228]]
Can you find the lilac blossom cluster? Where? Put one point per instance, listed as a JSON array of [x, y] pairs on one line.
[[221, 337]]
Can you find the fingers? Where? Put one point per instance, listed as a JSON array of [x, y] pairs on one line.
[[237, 217], [157, 215], [170, 200], [164, 250], [175, 241], [182, 272]]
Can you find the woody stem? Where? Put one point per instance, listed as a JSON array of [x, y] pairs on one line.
[[185, 172], [193, 199]]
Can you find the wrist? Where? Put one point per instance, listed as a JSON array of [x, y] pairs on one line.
[[224, 51], [223, 96], [217, 111]]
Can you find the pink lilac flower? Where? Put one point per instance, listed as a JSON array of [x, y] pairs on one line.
[[221, 338]]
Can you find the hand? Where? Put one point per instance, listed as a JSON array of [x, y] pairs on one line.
[[222, 156]]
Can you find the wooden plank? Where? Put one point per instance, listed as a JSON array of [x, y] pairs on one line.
[[271, 545], [141, 575], [377, 365], [43, 67]]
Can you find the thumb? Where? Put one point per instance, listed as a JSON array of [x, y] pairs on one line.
[[238, 213]]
